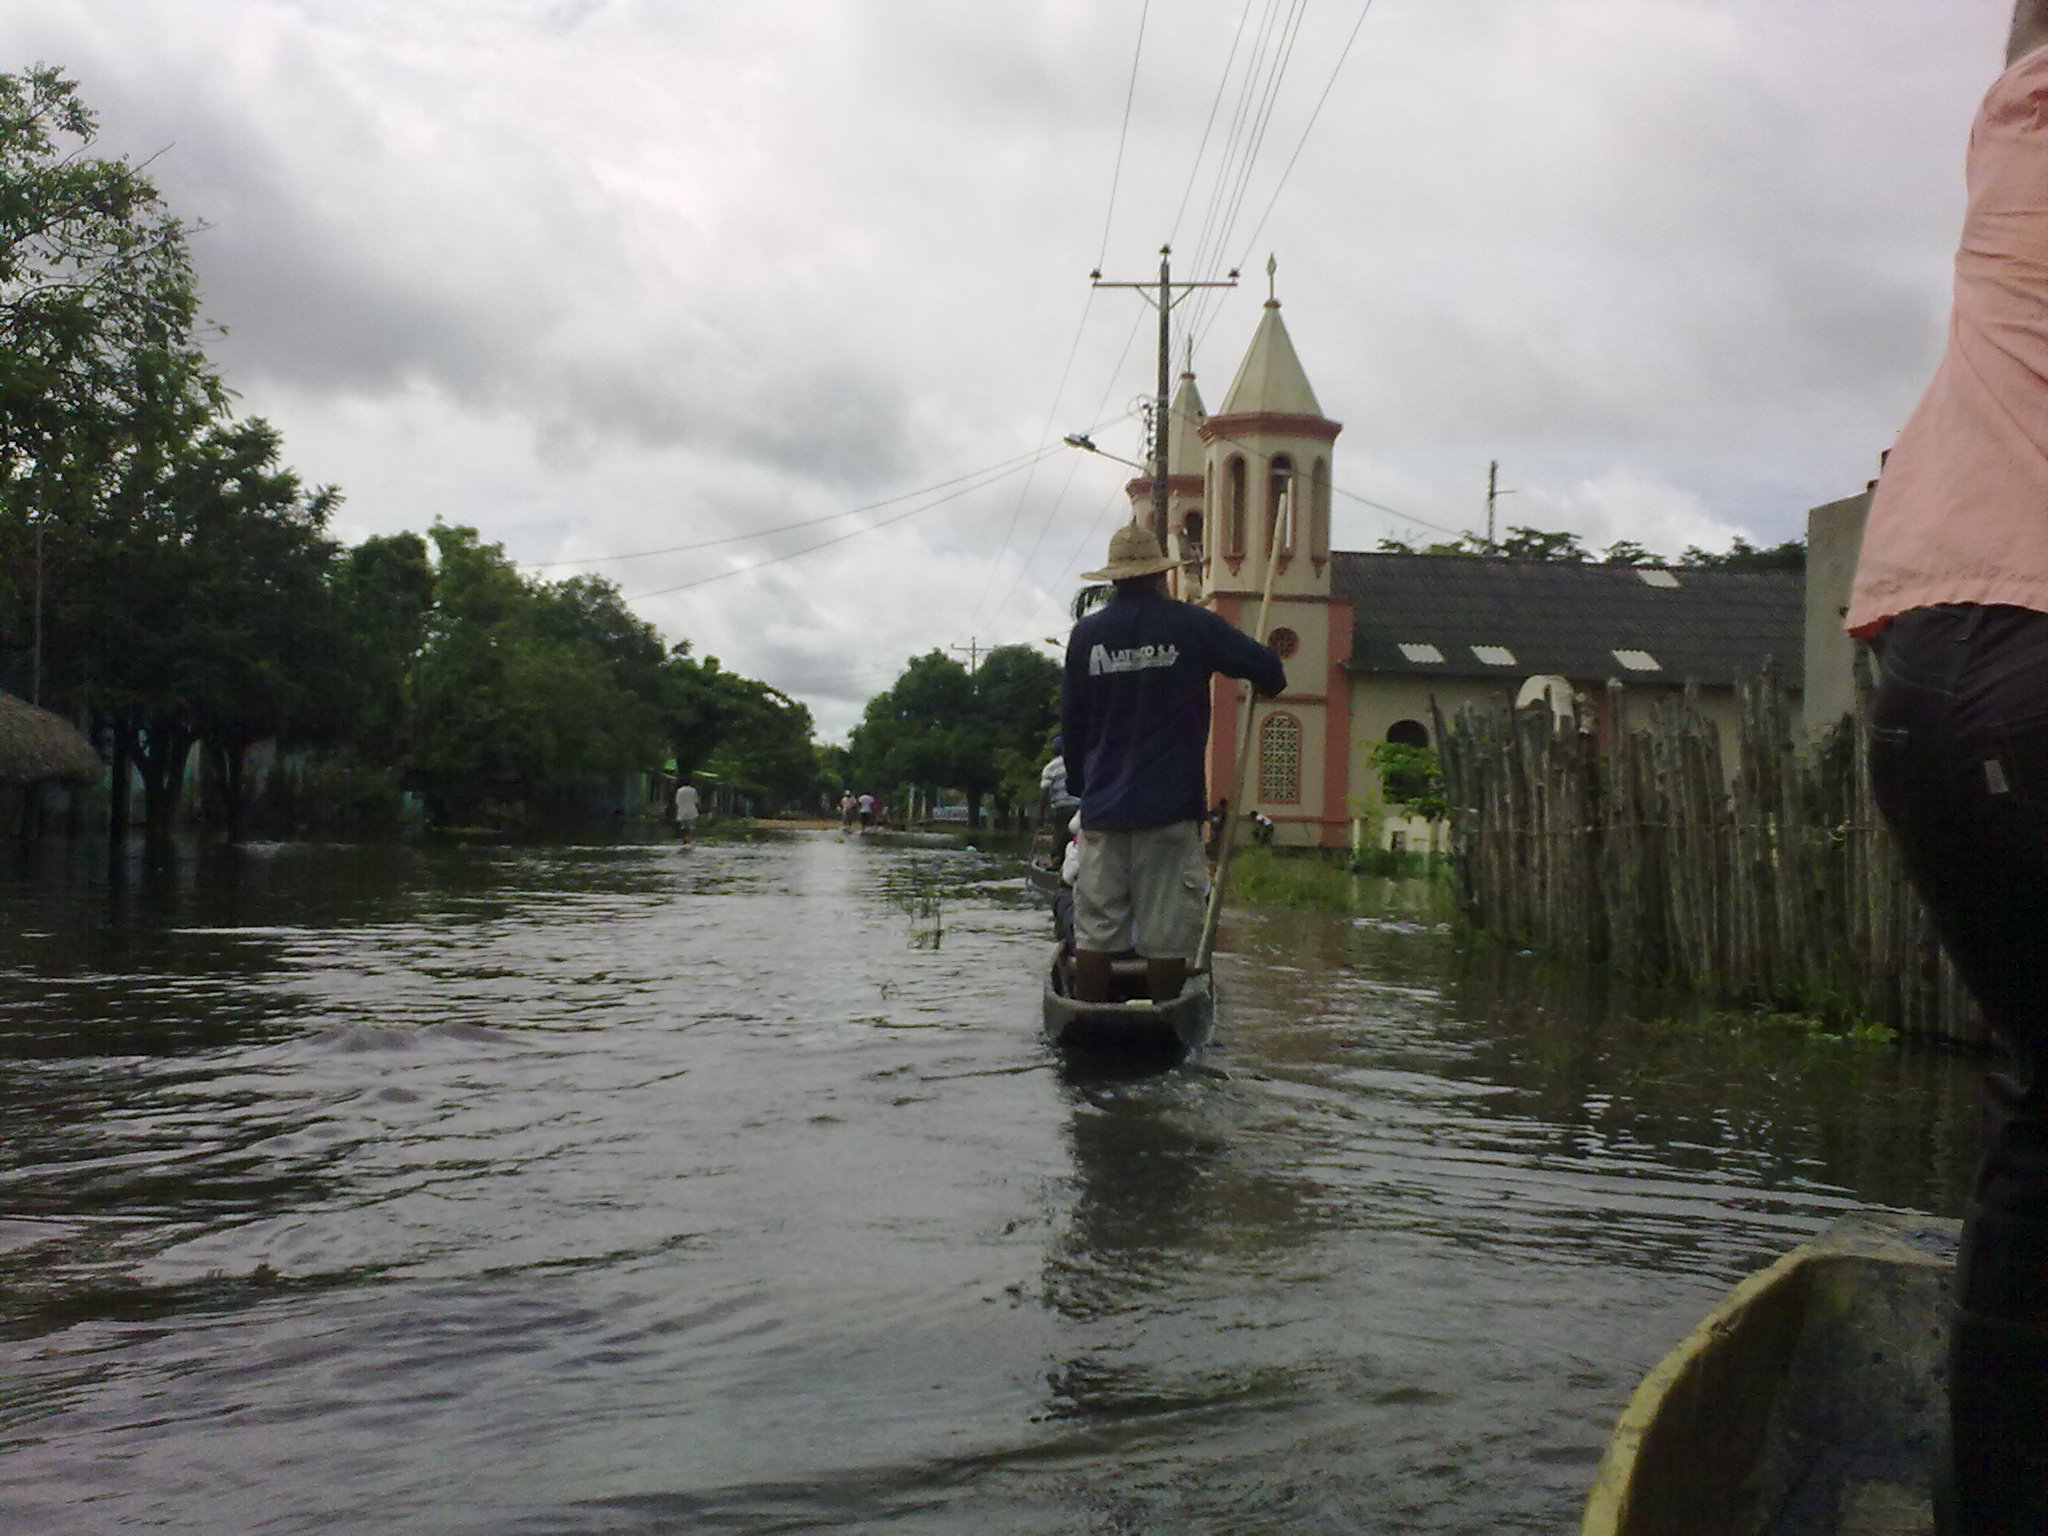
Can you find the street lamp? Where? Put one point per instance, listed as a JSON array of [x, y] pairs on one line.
[[1087, 445]]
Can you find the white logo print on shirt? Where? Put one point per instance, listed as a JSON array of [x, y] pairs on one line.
[[1136, 659]]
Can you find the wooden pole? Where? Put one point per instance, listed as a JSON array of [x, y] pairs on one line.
[[1235, 808]]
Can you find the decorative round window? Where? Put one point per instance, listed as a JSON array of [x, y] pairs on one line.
[[1285, 641]]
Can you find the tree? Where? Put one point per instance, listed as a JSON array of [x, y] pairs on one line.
[[1745, 556], [257, 625], [938, 726], [1412, 778], [519, 701], [1464, 544], [385, 591], [101, 380], [915, 733], [701, 704], [1535, 544], [766, 751], [1017, 691], [1629, 552]]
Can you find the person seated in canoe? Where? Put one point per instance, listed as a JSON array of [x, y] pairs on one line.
[[1134, 728], [1063, 896]]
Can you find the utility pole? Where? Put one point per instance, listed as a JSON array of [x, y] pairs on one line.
[[1493, 494], [1169, 293], [35, 686], [973, 650]]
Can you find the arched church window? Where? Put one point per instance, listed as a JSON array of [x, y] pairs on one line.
[[1280, 760], [1408, 733], [1319, 510], [1233, 504], [1280, 492], [1191, 533]]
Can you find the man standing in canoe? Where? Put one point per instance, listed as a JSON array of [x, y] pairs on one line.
[[1134, 726], [1952, 589]]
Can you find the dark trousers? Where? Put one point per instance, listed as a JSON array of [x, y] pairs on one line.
[[1959, 763]]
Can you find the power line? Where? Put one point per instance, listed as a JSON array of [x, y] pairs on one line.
[[810, 522], [1363, 11], [1259, 90], [1215, 102], [1406, 517], [1101, 405], [1023, 491], [852, 534], [1130, 95]]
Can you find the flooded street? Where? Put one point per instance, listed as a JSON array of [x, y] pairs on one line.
[[629, 1188]]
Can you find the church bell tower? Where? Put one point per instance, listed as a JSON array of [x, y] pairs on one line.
[[1265, 495]]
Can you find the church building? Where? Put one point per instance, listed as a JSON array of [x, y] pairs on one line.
[[1376, 644]]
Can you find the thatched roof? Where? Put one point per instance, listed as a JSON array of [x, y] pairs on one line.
[[37, 746]]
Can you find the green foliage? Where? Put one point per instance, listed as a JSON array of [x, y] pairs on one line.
[[97, 307], [385, 591], [1267, 877], [1629, 552], [527, 691], [1520, 544], [1745, 556], [939, 727], [330, 795], [1813, 1028], [766, 752], [1537, 544], [1412, 778]]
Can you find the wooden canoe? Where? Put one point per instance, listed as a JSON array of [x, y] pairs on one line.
[[1809, 1401], [1137, 1027], [1042, 877]]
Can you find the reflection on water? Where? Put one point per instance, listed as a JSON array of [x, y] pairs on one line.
[[639, 1188]]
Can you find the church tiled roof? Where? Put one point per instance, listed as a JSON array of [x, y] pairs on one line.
[[1467, 616]]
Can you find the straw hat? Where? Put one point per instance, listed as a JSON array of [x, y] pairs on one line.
[[1133, 552]]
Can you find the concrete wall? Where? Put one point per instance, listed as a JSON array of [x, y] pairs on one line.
[[1834, 536]]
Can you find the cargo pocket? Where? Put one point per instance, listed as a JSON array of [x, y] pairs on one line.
[[2015, 765]]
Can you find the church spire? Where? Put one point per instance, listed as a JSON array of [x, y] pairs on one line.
[[1184, 450], [1271, 378]]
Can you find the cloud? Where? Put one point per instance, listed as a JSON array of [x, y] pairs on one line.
[[605, 277]]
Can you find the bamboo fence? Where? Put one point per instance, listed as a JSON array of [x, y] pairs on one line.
[[1777, 890]]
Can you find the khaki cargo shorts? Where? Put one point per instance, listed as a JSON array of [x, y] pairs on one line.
[[1144, 890]]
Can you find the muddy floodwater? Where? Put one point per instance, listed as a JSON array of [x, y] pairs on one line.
[[629, 1188]]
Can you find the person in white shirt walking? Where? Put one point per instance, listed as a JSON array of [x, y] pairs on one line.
[[686, 809]]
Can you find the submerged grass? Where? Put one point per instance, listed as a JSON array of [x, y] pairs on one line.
[[1259, 877]]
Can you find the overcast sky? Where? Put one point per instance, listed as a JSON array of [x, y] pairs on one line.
[[604, 277]]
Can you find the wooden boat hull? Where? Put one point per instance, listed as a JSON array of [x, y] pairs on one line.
[[1138, 1028], [1810, 1400]]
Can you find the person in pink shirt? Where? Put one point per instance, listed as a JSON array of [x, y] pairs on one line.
[[1952, 590]]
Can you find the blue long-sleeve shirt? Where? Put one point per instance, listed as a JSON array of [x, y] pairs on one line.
[[1134, 706]]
